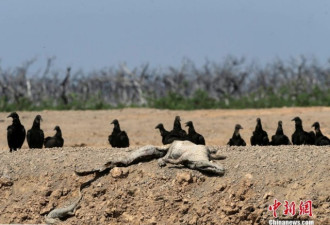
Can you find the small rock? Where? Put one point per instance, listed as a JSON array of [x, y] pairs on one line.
[[184, 177], [119, 172], [57, 194], [222, 216], [127, 217], [43, 202], [249, 176], [153, 221], [229, 211], [201, 179], [65, 191], [125, 171], [116, 172], [248, 183]]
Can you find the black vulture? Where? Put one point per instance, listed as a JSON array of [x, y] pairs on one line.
[[35, 136], [320, 138], [15, 133], [301, 137], [177, 130], [193, 136], [166, 135], [56, 141], [236, 139], [280, 138], [259, 137], [118, 138]]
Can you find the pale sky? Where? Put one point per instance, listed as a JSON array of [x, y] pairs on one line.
[[103, 33]]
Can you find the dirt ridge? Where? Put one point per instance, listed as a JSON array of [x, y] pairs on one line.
[[35, 181]]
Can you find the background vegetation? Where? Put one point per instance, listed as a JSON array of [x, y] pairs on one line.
[[232, 83]]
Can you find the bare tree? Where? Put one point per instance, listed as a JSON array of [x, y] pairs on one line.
[[230, 79]]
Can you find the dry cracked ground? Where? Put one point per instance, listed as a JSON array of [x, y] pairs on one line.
[[32, 182]]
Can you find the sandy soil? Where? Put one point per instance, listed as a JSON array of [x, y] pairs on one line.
[[32, 182]]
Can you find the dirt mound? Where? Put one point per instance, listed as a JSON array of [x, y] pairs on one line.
[[32, 182]]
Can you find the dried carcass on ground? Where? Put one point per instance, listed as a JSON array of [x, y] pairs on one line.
[[179, 152]]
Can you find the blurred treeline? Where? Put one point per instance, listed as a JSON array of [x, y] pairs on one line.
[[231, 83]]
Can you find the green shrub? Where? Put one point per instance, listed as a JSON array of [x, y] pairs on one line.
[[261, 98]]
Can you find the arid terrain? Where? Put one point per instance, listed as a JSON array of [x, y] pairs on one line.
[[32, 182]]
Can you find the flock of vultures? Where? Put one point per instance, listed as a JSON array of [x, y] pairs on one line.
[[35, 136], [259, 136]]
